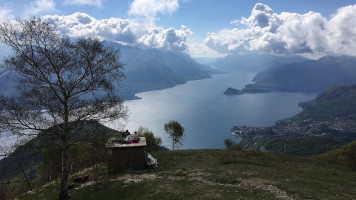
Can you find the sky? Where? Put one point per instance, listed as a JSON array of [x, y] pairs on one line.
[[203, 28]]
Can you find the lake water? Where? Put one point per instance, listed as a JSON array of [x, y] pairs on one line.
[[206, 113]]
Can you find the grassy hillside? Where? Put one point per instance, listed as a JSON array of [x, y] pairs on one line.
[[345, 156], [218, 174]]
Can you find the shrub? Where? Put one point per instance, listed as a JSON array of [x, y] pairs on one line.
[[153, 143], [232, 145]]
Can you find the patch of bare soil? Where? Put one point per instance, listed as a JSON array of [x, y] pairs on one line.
[[265, 185], [200, 176]]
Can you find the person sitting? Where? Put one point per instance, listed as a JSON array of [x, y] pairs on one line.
[[135, 137], [124, 134], [127, 138]]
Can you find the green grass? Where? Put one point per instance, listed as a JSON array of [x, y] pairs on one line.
[[221, 174]]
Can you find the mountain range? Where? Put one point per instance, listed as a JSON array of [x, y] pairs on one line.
[[254, 62], [306, 76], [144, 69], [154, 69]]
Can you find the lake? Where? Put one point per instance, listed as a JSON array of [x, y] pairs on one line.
[[206, 113]]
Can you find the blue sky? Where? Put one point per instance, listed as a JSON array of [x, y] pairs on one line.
[[269, 26]]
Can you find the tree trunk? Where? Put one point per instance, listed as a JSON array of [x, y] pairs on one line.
[[63, 191]]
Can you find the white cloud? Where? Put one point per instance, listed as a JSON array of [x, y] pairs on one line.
[[124, 31], [39, 7], [148, 9], [235, 21], [6, 13], [97, 3], [198, 50], [286, 32], [342, 31]]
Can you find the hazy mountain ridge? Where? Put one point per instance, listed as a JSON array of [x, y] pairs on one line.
[[325, 123], [145, 70], [153, 69], [254, 62], [307, 76]]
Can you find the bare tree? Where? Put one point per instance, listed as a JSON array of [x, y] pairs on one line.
[[62, 83]]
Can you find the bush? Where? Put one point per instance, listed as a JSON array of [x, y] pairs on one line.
[[232, 145], [153, 143]]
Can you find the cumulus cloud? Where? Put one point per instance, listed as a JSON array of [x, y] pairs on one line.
[[97, 3], [286, 32], [39, 7], [199, 50], [342, 30], [124, 31], [149, 9]]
